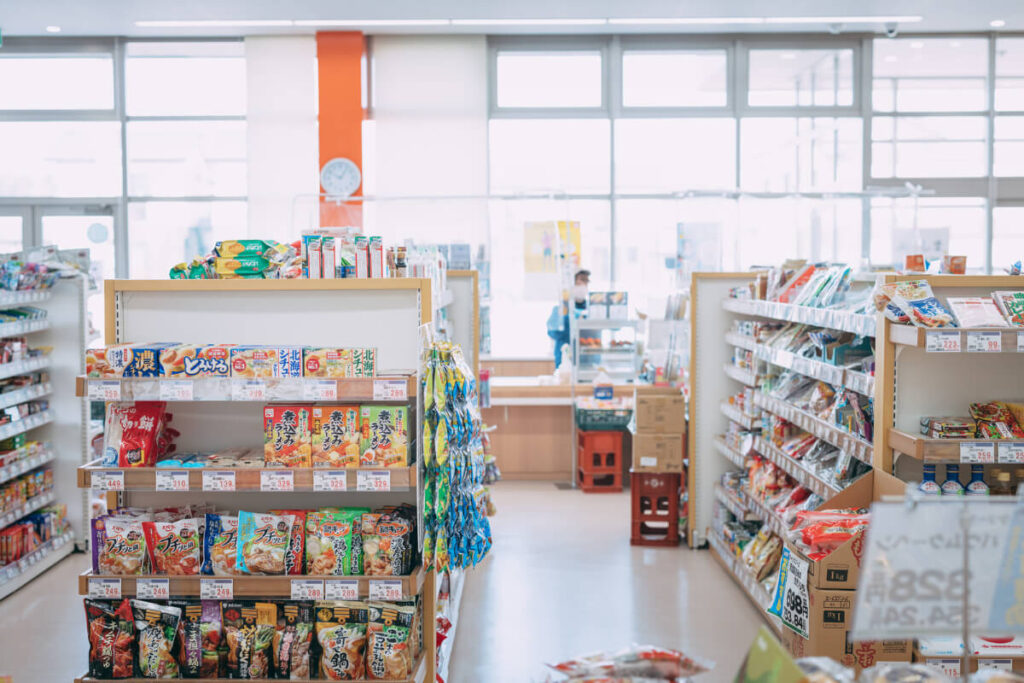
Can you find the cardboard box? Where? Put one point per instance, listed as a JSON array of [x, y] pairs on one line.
[[829, 622], [336, 436], [385, 436], [287, 441], [657, 452], [841, 568], [660, 414]]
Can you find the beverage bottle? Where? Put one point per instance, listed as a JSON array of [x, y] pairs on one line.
[[928, 484], [977, 487], [952, 485]]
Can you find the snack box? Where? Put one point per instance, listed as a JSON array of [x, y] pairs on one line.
[[127, 360], [597, 305], [336, 436], [287, 441], [914, 263], [253, 361], [384, 439], [618, 305], [336, 363], [197, 360]]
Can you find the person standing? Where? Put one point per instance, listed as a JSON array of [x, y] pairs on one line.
[[558, 321]]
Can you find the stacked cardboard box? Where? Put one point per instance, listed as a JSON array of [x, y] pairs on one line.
[[659, 435]]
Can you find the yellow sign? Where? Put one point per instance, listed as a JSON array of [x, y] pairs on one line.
[[541, 243]]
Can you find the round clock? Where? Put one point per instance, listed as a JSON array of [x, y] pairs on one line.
[[340, 176]]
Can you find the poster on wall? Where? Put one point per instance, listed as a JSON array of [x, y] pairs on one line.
[[543, 266]]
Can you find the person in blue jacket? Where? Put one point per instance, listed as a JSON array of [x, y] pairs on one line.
[[558, 321]]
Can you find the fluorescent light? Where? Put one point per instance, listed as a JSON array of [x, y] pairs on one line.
[[53, 29], [529, 22], [684, 21], [371, 22], [997, 23], [212, 23], [910, 19]]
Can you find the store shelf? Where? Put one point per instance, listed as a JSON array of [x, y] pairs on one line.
[[20, 467], [444, 299], [398, 387], [953, 450], [857, 323], [731, 454], [1011, 339], [741, 375], [16, 574], [20, 327], [733, 505], [795, 469], [810, 367], [10, 299], [742, 341], [745, 420], [764, 513], [601, 324], [248, 478], [24, 367], [757, 594], [25, 424], [29, 393], [607, 352], [30, 506], [860, 382], [252, 586], [840, 438]]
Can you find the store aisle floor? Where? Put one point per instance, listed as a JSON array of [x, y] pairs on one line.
[[562, 580]]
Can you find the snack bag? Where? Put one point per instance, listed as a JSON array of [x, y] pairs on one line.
[[1011, 304], [212, 637], [263, 542], [173, 547], [287, 441], [292, 640], [220, 545], [294, 559], [130, 437], [249, 634], [387, 544], [190, 640], [191, 360], [118, 546], [341, 635], [996, 421], [157, 627], [334, 543], [336, 436], [111, 630], [388, 646], [237, 248], [384, 436]]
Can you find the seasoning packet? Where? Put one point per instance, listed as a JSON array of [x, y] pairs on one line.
[[189, 640], [173, 547], [220, 545], [292, 640], [341, 636], [212, 638], [387, 544], [249, 634], [157, 627], [111, 638], [388, 642], [263, 541], [334, 545]]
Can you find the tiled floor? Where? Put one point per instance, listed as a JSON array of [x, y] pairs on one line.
[[560, 580]]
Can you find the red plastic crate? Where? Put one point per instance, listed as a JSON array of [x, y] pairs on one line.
[[606, 482], [599, 452], [655, 508]]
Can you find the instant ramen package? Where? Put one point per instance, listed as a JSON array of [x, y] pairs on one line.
[[220, 545], [111, 638], [249, 629], [173, 547], [118, 546], [189, 645], [389, 642], [157, 628], [294, 559], [341, 637], [292, 640], [263, 541], [334, 545]]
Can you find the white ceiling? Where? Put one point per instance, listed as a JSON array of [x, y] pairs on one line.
[[118, 17]]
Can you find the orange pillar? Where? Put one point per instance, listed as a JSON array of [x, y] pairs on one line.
[[340, 56]]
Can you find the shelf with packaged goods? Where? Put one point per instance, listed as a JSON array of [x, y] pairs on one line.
[[598, 351], [420, 668], [838, 437], [729, 453], [19, 467], [754, 590], [25, 424], [953, 451], [1011, 340], [742, 341], [742, 375], [19, 327], [304, 480], [385, 388], [795, 469], [28, 393], [861, 382], [16, 574], [764, 513], [743, 419], [13, 299], [251, 586], [810, 367], [24, 367], [604, 324], [846, 321], [30, 506], [733, 505]]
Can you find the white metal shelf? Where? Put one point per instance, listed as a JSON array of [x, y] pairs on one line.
[[795, 469], [30, 506], [28, 393], [16, 574], [25, 424], [20, 467], [837, 436], [9, 299], [833, 319], [23, 367], [19, 327]]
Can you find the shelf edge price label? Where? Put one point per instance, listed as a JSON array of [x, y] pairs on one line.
[[942, 342], [330, 480], [216, 589], [108, 481], [153, 589], [1011, 453], [985, 342], [977, 452], [386, 590], [171, 480], [277, 480], [1020, 342], [218, 480], [373, 480], [320, 390], [105, 390], [105, 589], [249, 390], [389, 390], [176, 390], [345, 589], [307, 589]]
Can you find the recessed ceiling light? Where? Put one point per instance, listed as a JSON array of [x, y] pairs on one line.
[[529, 22], [53, 29], [212, 23], [997, 23], [917, 44], [371, 22]]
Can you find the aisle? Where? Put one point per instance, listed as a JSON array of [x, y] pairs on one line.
[[563, 580]]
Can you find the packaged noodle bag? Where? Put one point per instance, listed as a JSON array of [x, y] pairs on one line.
[[173, 546]]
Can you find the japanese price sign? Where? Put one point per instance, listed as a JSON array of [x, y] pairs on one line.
[[105, 589], [373, 480], [978, 452], [985, 342], [108, 481], [277, 480], [386, 590], [345, 589], [218, 480], [176, 390], [307, 589], [249, 390], [942, 342], [171, 480], [320, 390], [216, 589], [106, 390], [153, 589], [389, 390], [330, 480], [792, 602]]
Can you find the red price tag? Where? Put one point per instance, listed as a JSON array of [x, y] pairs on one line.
[[976, 452], [249, 390], [108, 481], [942, 342], [105, 589], [153, 589], [347, 589], [330, 480], [217, 480], [176, 390], [171, 480], [307, 589], [386, 590], [277, 480], [216, 589], [985, 342]]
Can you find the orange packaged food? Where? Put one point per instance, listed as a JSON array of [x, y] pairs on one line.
[[197, 360], [336, 436], [287, 441]]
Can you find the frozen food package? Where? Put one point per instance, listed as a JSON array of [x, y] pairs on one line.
[[111, 629], [341, 639], [118, 546], [174, 547], [220, 545], [157, 628], [263, 541], [292, 640]]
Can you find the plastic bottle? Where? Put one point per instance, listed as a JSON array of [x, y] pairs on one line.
[[952, 485], [977, 487], [928, 485]]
